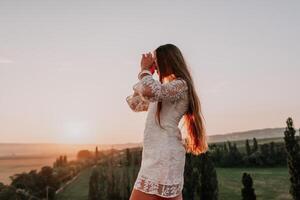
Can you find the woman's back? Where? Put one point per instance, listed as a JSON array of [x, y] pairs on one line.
[[170, 115]]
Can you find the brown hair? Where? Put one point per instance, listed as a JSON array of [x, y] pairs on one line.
[[170, 61]]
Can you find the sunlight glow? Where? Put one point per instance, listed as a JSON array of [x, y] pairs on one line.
[[74, 132]]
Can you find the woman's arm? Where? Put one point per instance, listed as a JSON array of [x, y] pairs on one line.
[[152, 90], [136, 103]]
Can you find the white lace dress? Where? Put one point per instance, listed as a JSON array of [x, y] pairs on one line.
[[163, 155]]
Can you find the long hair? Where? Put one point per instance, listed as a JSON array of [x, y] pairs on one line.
[[170, 61]]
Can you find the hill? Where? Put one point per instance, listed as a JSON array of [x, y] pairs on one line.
[[14, 150], [243, 135]]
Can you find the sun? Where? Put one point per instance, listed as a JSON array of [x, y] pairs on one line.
[[74, 132]]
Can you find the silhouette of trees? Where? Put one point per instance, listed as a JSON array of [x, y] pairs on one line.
[[84, 155], [8, 192], [128, 157], [96, 154], [248, 191], [227, 154], [208, 178], [293, 158], [49, 182], [191, 178], [61, 161], [255, 145], [200, 177], [248, 148], [38, 184]]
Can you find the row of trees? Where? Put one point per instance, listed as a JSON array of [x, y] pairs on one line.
[[32, 185], [61, 161], [258, 155], [292, 159], [45, 184], [115, 171], [115, 176]]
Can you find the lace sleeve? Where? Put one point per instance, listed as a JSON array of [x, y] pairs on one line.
[[152, 90], [136, 103]]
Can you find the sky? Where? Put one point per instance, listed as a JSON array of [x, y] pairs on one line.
[[66, 67]]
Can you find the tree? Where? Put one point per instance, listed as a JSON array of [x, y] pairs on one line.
[[248, 148], [189, 178], [30, 182], [49, 182], [94, 185], [225, 148], [233, 157], [61, 161], [248, 191], [96, 153], [208, 178], [128, 157], [293, 158], [41, 184], [65, 160], [272, 152], [84, 154], [8, 192], [255, 145], [265, 154]]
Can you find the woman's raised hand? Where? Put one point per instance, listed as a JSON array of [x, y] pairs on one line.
[[147, 61]]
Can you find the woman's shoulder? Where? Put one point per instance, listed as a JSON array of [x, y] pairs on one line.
[[181, 79], [181, 82]]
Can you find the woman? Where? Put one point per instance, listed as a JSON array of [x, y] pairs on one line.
[[161, 175]]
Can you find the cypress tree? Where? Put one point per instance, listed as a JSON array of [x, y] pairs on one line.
[[65, 160], [189, 181], [128, 157], [248, 149], [229, 145], [248, 191], [293, 158], [255, 145], [225, 148], [272, 153], [208, 178], [96, 154]]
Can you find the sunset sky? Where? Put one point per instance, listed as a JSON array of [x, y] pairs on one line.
[[66, 67]]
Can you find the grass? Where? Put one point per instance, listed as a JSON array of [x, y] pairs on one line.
[[269, 183], [78, 189]]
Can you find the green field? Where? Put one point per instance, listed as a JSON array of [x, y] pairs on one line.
[[78, 189], [269, 183]]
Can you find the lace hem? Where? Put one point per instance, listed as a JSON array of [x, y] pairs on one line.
[[136, 103], [146, 185]]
